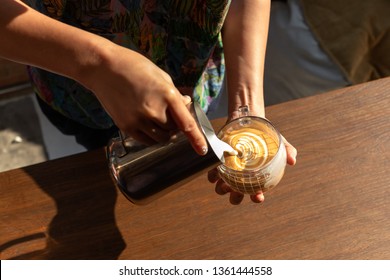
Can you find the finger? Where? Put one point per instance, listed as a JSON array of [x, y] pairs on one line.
[[164, 121], [291, 152], [213, 175], [186, 100], [222, 188], [236, 198], [187, 124], [170, 123], [257, 198]]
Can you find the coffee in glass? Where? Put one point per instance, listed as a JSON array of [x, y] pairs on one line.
[[261, 159]]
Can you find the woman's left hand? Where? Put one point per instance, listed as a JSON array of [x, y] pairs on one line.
[[236, 198]]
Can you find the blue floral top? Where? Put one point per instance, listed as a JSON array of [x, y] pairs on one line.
[[181, 37]]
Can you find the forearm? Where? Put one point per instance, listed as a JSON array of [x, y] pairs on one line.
[[140, 97], [244, 36], [32, 38]]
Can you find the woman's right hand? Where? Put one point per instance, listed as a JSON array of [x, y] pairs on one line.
[[142, 99]]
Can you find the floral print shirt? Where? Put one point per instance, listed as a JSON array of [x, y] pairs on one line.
[[181, 37]]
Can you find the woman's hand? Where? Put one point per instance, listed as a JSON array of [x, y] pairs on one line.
[[142, 99], [236, 198], [245, 34]]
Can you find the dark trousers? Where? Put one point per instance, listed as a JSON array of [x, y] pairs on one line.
[[88, 137]]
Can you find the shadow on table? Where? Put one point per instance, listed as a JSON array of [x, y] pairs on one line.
[[85, 196]]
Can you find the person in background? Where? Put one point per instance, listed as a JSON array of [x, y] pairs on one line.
[[99, 66], [316, 46]]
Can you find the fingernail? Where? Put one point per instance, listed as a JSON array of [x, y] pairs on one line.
[[204, 150], [293, 160], [187, 99], [261, 198]]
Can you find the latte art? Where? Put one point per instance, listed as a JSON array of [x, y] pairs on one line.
[[254, 149], [261, 155]]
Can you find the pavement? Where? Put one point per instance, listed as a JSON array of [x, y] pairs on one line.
[[27, 137]]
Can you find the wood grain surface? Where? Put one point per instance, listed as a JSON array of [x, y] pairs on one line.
[[334, 204]]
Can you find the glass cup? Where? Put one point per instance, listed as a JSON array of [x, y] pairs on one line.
[[261, 160]]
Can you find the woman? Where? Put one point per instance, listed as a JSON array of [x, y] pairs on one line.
[[129, 64]]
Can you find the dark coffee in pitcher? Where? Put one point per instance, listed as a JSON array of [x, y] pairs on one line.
[[144, 173]]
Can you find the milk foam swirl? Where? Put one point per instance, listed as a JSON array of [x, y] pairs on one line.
[[261, 159], [252, 149]]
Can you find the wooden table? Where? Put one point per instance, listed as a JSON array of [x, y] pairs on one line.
[[334, 204]]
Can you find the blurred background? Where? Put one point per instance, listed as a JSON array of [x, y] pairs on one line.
[[26, 136]]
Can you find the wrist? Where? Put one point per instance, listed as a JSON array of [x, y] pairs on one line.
[[95, 56], [253, 99]]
